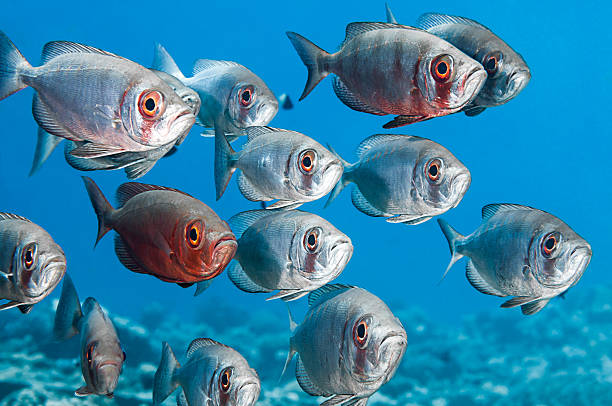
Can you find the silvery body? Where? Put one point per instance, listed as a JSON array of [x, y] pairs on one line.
[[214, 375], [349, 345], [404, 178], [291, 251], [232, 96], [100, 350], [31, 263], [386, 68], [277, 164], [520, 251], [86, 94], [507, 71]]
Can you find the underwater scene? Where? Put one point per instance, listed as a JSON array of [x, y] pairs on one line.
[[318, 203]]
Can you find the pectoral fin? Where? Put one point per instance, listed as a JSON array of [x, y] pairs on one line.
[[83, 391], [404, 120]]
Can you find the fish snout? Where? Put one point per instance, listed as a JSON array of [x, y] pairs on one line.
[[516, 82], [247, 394], [579, 259], [392, 349], [220, 254], [107, 376], [460, 185], [182, 122], [473, 82]]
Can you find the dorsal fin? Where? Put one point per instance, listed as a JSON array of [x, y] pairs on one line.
[[130, 189], [430, 20], [381, 139], [491, 209], [254, 132], [200, 343], [355, 29], [11, 216], [326, 292], [202, 65], [56, 48], [241, 221]]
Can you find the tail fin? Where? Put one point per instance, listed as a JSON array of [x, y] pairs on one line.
[[312, 56], [163, 61], [165, 382], [292, 351], [223, 162], [453, 238], [45, 145], [390, 17], [68, 312], [343, 179], [11, 63], [101, 206]]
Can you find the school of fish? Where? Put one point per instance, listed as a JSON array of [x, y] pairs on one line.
[[117, 114]]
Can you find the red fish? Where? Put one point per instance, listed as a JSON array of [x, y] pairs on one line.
[[164, 232]]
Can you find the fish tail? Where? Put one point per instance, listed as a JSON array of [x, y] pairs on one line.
[[342, 182], [162, 61], [292, 351], [11, 65], [68, 312], [313, 57], [165, 377], [45, 145], [223, 162], [453, 238], [100, 205]]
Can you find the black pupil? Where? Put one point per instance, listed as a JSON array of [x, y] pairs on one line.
[[150, 104], [361, 330], [307, 162], [28, 256], [312, 240], [193, 234], [246, 95], [442, 68], [433, 170], [550, 243], [491, 63], [225, 380]]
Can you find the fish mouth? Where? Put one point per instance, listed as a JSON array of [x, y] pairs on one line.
[[182, 122], [459, 187], [473, 82], [579, 260], [247, 394], [392, 347], [341, 253], [221, 254], [515, 83], [52, 273]]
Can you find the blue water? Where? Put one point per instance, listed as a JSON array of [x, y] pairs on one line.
[[548, 148]]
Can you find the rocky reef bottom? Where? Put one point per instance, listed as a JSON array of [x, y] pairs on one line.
[[561, 356]]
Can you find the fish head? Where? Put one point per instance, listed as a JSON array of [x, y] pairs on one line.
[[235, 385], [448, 78], [103, 360], [319, 251], [374, 344], [313, 170], [153, 114], [204, 244], [251, 102], [440, 180], [39, 264], [187, 94], [558, 255]]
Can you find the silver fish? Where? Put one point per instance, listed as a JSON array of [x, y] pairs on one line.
[[187, 94], [507, 71], [233, 97], [85, 94], [349, 345], [277, 164], [387, 68], [520, 251], [213, 375], [101, 354], [404, 178], [291, 251], [31, 263]]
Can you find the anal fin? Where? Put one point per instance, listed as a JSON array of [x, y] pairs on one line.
[[347, 97], [305, 382], [93, 150], [478, 282], [125, 257], [46, 120], [534, 307], [249, 191], [404, 120], [284, 204], [518, 301], [409, 219], [362, 204], [242, 280]]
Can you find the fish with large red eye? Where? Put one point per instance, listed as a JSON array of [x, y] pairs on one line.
[[308, 160], [247, 96], [151, 104], [225, 382], [311, 239], [89, 354], [492, 62], [193, 233], [442, 68], [360, 334], [28, 257], [550, 243], [434, 170]]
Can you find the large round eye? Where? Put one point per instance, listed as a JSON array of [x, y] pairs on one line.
[[89, 354], [491, 62], [124, 356], [442, 68], [28, 257], [193, 233], [246, 95], [308, 160], [360, 334], [550, 243], [151, 104], [311, 239], [434, 170], [225, 381]]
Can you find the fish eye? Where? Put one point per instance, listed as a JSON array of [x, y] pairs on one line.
[[434, 170], [225, 382], [550, 243], [124, 356], [90, 351], [150, 104], [308, 160], [193, 233], [311, 239], [28, 257], [491, 62], [360, 334], [246, 96], [442, 68]]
